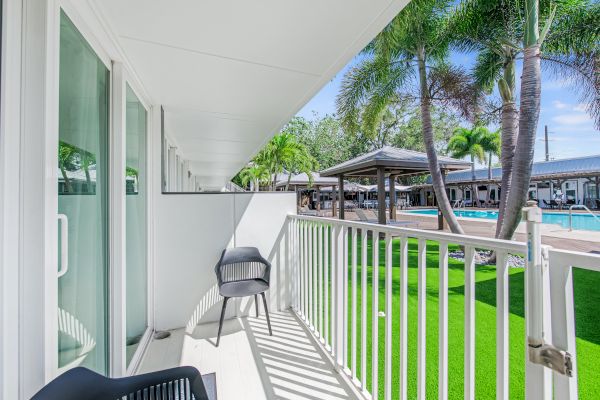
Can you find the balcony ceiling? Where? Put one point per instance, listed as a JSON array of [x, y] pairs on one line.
[[231, 73]]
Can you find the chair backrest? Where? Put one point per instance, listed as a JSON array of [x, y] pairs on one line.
[[242, 264], [83, 384]]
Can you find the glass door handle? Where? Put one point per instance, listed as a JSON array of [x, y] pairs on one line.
[[64, 244]]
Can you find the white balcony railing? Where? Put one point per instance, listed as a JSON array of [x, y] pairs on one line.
[[332, 299]]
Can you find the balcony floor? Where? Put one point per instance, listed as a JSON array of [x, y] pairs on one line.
[[250, 364]]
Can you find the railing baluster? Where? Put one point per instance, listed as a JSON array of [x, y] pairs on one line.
[[320, 277], [443, 322], [375, 319], [340, 334], [354, 296], [345, 293], [388, 318], [334, 256], [403, 318], [469, 323], [502, 350], [326, 280], [315, 279], [563, 326], [422, 322], [305, 272], [363, 311], [311, 282]]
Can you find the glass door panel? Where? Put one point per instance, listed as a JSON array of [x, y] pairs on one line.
[[135, 189], [83, 203]]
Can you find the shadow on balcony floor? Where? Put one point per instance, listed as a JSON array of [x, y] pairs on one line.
[[249, 363]]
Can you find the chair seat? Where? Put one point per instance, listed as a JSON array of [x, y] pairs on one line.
[[243, 288]]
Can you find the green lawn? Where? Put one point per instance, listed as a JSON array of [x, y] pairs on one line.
[[587, 302]]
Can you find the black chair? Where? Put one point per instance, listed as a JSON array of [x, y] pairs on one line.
[[242, 272], [80, 383]]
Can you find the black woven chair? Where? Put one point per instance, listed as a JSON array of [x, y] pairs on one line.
[[242, 272], [80, 383]]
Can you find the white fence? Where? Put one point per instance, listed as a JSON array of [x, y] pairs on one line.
[[327, 253]]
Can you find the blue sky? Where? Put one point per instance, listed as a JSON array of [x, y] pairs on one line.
[[571, 130]]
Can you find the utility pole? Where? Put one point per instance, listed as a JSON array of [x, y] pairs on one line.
[[546, 140]]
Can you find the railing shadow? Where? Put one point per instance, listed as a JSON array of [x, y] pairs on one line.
[[290, 363]]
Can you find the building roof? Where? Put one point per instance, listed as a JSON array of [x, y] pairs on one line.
[[302, 180], [565, 168], [395, 161]]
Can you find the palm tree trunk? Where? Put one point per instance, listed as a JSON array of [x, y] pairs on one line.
[[510, 127], [289, 178], [434, 168], [487, 197], [474, 185], [529, 112], [68, 186]]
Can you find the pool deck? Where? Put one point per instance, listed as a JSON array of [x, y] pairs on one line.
[[552, 235]]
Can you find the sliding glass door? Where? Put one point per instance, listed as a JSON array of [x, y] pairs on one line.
[[82, 203], [136, 269]]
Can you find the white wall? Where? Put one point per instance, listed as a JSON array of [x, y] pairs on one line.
[[190, 232]]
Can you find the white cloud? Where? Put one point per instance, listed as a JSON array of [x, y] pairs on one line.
[[559, 104], [581, 107], [572, 119]]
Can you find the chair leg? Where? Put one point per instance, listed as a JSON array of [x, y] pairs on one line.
[[225, 299], [267, 313], [256, 304]]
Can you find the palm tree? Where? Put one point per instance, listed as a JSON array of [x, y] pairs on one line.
[[254, 175], [281, 151], [472, 143], [567, 46], [411, 49]]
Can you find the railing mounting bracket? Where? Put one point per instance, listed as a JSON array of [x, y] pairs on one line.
[[551, 357]]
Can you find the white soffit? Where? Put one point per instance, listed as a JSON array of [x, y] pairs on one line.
[[231, 73]]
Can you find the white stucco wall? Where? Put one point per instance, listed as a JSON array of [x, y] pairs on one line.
[[191, 230]]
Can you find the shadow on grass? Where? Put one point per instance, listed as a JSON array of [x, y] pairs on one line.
[[586, 287]]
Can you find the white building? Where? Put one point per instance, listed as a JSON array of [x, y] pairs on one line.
[[180, 95], [577, 179]]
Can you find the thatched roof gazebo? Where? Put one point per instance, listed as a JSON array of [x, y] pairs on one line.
[[388, 162]]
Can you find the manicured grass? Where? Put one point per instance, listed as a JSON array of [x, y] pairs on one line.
[[587, 302]]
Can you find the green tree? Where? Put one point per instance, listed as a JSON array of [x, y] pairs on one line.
[[410, 131], [253, 176], [325, 140], [567, 46], [410, 52], [284, 150], [470, 143]]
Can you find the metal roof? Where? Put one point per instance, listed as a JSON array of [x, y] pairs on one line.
[[302, 180], [574, 167], [395, 161]]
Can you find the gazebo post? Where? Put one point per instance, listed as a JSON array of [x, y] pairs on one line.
[[333, 205], [381, 195], [318, 190], [341, 195], [392, 186]]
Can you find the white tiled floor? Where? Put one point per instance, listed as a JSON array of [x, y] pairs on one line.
[[250, 364]]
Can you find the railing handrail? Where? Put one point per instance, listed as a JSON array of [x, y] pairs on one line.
[[579, 259], [579, 206], [466, 240]]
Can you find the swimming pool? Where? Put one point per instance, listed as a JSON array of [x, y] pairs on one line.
[[580, 221]]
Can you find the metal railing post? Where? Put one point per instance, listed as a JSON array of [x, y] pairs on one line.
[[538, 380]]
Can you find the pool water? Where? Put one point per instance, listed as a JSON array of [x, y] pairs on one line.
[[580, 221]]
